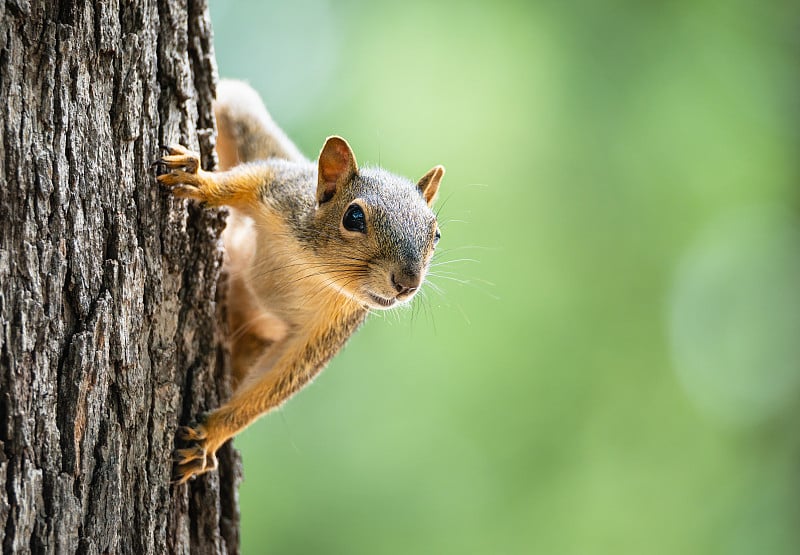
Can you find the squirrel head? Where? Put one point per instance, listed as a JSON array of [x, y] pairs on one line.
[[376, 228]]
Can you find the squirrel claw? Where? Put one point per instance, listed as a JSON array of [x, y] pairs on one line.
[[188, 163], [192, 432], [188, 469], [178, 157], [194, 459], [188, 454], [187, 191], [175, 148], [179, 170]]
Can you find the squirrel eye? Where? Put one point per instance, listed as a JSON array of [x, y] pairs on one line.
[[437, 236], [354, 219]]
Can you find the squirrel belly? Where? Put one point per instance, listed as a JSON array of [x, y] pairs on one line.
[[311, 247]]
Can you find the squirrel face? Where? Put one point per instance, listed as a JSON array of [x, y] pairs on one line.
[[378, 227]]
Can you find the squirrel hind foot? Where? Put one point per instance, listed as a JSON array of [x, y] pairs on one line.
[[198, 457]]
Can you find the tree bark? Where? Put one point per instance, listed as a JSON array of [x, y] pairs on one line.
[[109, 305]]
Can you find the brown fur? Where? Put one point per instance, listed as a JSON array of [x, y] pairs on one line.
[[300, 281]]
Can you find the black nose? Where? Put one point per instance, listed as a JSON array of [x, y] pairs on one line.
[[406, 282]]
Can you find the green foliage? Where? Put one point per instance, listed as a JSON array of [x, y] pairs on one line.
[[605, 359]]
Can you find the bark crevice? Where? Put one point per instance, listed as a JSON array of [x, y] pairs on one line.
[[110, 311]]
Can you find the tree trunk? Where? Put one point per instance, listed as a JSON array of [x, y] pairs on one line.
[[108, 286]]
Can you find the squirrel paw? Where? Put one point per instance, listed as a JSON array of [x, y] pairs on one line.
[[179, 170], [198, 457]]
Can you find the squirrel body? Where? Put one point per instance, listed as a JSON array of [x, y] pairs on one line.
[[311, 248]]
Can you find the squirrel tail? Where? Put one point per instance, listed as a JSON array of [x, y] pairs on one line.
[[246, 132]]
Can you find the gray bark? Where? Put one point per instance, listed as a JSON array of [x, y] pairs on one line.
[[109, 308]]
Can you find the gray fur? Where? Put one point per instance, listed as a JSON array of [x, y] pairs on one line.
[[400, 225]]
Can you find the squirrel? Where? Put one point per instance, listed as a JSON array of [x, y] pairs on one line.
[[311, 248]]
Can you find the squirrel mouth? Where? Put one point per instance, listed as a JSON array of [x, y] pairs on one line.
[[386, 303]]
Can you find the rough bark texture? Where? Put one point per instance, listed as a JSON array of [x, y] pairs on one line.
[[108, 308]]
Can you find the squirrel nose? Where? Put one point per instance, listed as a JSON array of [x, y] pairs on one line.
[[406, 282]]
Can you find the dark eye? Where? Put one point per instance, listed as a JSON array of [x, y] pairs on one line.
[[437, 236], [354, 219]]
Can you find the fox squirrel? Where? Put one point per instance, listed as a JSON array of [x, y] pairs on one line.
[[311, 247]]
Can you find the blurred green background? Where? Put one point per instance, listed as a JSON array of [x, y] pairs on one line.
[[607, 358]]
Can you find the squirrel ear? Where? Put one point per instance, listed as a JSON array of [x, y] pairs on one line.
[[337, 165], [429, 184]]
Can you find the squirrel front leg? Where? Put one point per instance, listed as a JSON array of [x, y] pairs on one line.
[[252, 398], [239, 187], [297, 362]]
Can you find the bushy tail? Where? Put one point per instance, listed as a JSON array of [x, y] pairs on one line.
[[246, 131]]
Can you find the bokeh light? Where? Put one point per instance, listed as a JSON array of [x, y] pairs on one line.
[[735, 316], [606, 359]]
